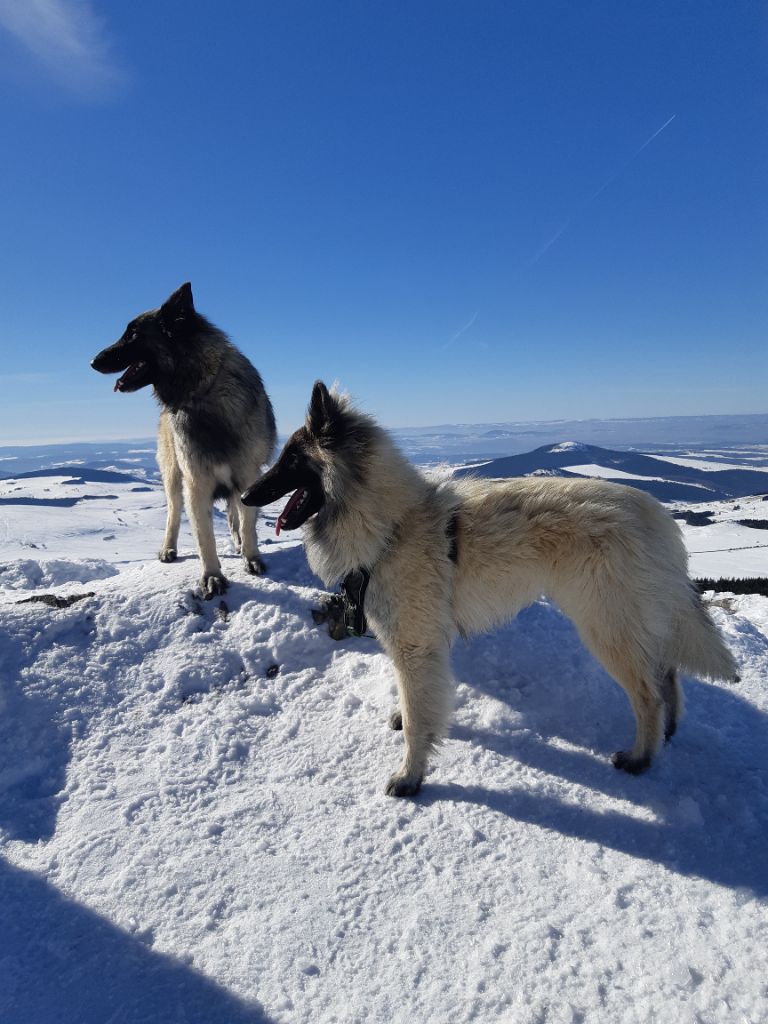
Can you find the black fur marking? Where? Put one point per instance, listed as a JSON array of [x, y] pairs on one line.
[[221, 491], [400, 787], [339, 430], [209, 434], [177, 309], [294, 469], [451, 532], [671, 708], [634, 765]]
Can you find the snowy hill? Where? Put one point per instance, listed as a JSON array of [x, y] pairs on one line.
[[192, 824], [668, 479], [472, 442]]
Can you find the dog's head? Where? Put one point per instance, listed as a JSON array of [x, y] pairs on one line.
[[304, 465], [148, 346]]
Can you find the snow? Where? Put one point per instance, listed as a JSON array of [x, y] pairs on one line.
[[708, 465], [569, 446], [189, 834], [725, 548], [609, 473]]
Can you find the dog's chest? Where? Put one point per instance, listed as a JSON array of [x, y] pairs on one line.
[[204, 435]]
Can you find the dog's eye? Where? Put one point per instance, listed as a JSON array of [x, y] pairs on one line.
[[292, 461]]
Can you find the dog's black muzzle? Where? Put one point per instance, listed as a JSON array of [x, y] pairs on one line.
[[115, 358], [129, 357], [276, 483], [291, 473]]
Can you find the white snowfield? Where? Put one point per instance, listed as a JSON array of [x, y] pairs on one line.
[[610, 473], [193, 826]]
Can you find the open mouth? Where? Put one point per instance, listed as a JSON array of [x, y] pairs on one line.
[[292, 515], [135, 377]]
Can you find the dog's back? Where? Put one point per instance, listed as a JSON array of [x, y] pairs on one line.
[[593, 547], [530, 536]]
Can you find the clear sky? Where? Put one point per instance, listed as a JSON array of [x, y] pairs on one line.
[[464, 211]]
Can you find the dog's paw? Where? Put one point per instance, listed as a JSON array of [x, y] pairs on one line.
[[626, 762], [213, 585], [167, 555], [396, 720], [255, 566], [403, 785]]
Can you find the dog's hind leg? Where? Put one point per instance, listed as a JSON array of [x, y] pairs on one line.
[[250, 546], [647, 706], [672, 694], [425, 689], [622, 656], [169, 467]]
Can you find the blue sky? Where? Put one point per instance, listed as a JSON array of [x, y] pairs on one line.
[[465, 212]]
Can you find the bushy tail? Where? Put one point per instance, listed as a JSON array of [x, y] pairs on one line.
[[700, 648]]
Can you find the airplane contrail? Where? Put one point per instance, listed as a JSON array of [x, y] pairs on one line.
[[608, 181], [658, 131], [461, 330]]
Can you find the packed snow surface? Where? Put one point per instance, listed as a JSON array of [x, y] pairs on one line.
[[193, 825]]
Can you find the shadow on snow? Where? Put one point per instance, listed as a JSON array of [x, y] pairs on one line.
[[708, 788], [60, 961]]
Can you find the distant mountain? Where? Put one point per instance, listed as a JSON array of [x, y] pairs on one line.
[[667, 481], [466, 442], [136, 457], [82, 475]]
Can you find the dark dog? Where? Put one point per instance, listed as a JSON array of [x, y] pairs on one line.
[[217, 428]]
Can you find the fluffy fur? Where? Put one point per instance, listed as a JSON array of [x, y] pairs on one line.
[[217, 429], [610, 556]]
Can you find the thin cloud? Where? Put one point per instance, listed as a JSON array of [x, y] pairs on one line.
[[68, 39]]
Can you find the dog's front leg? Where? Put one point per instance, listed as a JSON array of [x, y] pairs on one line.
[[172, 484], [425, 689], [173, 497], [200, 508], [250, 547]]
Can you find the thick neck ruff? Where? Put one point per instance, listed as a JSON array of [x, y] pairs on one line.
[[355, 584]]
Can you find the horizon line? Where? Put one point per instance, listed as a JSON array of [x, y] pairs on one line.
[[152, 438]]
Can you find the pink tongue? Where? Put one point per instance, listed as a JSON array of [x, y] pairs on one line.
[[292, 503]]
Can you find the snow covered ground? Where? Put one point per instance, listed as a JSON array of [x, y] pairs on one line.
[[193, 828]]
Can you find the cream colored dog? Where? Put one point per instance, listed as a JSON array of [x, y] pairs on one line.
[[465, 555]]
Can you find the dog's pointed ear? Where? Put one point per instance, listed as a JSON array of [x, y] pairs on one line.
[[177, 310], [180, 304], [324, 414], [319, 411]]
